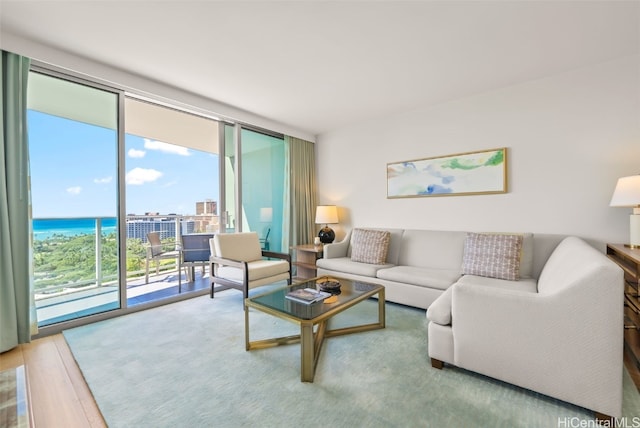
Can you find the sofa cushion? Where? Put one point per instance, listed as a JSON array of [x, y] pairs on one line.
[[528, 285], [369, 246], [433, 249], [492, 255], [345, 264], [440, 310], [433, 278]]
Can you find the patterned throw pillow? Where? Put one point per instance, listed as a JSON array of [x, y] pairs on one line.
[[370, 246], [492, 255]]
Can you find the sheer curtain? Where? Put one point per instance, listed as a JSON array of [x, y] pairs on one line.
[[17, 309], [303, 193]]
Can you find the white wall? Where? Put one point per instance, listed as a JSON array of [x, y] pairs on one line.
[[569, 138]]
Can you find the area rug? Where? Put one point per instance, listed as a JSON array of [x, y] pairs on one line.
[[184, 365]]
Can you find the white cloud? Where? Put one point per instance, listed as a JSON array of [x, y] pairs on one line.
[[165, 147], [138, 176], [74, 190], [133, 153], [104, 180]]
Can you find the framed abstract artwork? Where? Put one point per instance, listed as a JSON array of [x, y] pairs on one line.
[[471, 173]]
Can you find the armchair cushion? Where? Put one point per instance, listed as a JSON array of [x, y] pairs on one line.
[[258, 269], [244, 247], [492, 255], [370, 246]]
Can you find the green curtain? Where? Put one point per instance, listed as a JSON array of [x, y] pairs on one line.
[[303, 192], [17, 319]]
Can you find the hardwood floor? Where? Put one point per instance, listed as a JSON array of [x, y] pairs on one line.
[[59, 396]]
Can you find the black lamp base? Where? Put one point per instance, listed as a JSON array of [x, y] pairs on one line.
[[326, 235]]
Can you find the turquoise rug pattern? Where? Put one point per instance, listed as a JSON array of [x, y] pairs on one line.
[[184, 365]]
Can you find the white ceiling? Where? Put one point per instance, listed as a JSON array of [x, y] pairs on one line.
[[318, 66]]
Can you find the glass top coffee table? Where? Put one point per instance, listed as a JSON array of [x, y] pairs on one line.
[[313, 317]]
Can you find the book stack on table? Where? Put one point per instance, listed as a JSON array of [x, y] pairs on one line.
[[307, 295]]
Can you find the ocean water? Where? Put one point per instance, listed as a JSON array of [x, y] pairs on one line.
[[46, 228]]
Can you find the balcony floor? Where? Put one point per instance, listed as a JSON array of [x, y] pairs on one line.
[[93, 300], [163, 285]]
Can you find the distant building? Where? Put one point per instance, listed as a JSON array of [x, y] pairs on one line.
[[206, 216], [208, 206], [205, 220], [138, 227]]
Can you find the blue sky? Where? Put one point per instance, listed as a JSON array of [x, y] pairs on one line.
[[74, 172]]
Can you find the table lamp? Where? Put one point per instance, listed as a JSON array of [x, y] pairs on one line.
[[266, 215], [627, 194], [326, 214]]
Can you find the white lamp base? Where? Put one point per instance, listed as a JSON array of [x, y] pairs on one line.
[[634, 229]]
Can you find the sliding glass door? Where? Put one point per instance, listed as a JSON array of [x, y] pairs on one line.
[[172, 197], [255, 191], [263, 187], [119, 185], [73, 150]]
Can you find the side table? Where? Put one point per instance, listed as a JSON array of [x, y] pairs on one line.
[[305, 260], [629, 260]]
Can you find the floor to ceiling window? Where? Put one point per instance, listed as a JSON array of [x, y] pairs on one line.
[[263, 186], [73, 150], [172, 192], [111, 171], [255, 170]]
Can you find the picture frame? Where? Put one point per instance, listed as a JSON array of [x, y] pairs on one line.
[[471, 173]]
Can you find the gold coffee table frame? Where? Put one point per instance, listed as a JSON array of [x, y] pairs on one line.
[[311, 341]]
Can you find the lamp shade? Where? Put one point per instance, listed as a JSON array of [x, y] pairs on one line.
[[266, 214], [627, 192], [326, 214]]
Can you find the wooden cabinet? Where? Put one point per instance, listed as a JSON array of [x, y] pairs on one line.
[[629, 260], [305, 260]]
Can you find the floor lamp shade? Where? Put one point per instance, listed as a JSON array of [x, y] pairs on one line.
[[627, 194], [326, 214]]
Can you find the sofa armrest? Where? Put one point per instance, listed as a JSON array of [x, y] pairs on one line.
[[568, 345], [337, 249], [492, 323]]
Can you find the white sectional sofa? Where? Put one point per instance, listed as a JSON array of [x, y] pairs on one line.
[[557, 329], [422, 264]]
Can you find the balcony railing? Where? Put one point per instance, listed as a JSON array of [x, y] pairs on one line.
[[73, 254]]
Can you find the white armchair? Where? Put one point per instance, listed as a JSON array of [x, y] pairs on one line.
[[238, 261], [563, 339]]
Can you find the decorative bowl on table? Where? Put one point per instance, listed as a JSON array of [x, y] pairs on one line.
[[329, 285]]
